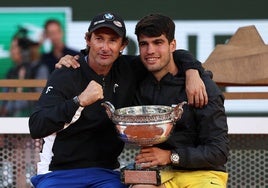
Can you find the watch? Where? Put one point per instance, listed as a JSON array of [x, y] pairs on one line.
[[175, 158], [77, 101]]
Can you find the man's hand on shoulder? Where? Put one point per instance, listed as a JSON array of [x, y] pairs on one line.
[[195, 89], [68, 61]]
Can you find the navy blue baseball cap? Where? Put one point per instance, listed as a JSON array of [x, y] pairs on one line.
[[110, 20]]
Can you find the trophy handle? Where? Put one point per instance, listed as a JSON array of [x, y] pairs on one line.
[[178, 111], [109, 108]]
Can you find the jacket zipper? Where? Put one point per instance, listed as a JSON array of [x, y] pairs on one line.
[[103, 82]]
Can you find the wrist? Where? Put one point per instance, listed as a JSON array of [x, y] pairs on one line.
[[174, 158], [190, 72], [76, 100]]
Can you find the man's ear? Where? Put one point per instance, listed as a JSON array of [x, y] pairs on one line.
[[173, 45], [87, 38], [124, 44], [88, 42]]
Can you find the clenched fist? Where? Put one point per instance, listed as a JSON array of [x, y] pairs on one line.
[[91, 94]]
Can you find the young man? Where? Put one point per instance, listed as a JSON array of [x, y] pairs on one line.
[[81, 145], [197, 149]]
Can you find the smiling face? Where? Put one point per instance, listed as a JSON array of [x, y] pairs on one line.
[[156, 54], [105, 46]]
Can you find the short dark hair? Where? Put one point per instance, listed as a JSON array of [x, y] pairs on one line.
[[154, 25], [52, 21]]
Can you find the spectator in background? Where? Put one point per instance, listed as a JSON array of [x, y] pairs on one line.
[[25, 54], [18, 55], [54, 33]]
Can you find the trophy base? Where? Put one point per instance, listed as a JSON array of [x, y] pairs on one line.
[[130, 175]]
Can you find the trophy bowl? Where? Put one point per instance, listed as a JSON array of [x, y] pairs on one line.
[[145, 125]]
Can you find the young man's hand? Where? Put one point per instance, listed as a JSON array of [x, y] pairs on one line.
[[152, 156], [195, 89], [68, 61]]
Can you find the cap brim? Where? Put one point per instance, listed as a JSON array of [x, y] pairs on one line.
[[114, 28]]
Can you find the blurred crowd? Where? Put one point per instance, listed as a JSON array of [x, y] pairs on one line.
[[32, 59]]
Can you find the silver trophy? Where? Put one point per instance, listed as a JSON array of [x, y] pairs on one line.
[[145, 125]]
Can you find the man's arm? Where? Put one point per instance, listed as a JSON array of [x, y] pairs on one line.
[[53, 110], [195, 88], [213, 148]]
